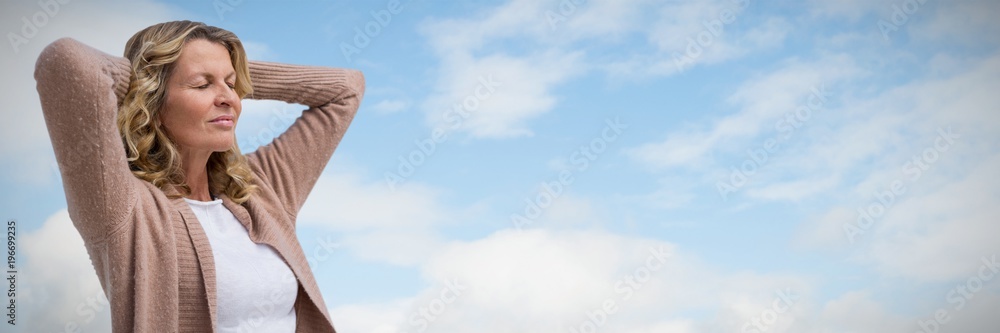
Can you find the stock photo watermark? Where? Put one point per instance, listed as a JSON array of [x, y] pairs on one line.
[[624, 288], [912, 171], [566, 8], [706, 37], [960, 295], [224, 6], [87, 310], [758, 157], [763, 322], [454, 117], [11, 272], [363, 35], [425, 315], [264, 308], [899, 17], [48, 9], [581, 158], [321, 252]]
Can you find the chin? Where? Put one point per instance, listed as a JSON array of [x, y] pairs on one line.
[[224, 144], [225, 148], [222, 147]]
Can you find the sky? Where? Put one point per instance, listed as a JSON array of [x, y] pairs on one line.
[[590, 166]]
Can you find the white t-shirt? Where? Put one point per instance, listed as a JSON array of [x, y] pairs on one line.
[[255, 289]]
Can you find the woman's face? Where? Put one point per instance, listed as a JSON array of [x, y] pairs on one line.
[[201, 106]]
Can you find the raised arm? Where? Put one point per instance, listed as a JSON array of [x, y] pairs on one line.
[[294, 160], [80, 88]]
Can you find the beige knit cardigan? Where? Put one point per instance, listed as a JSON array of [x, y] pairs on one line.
[[150, 252]]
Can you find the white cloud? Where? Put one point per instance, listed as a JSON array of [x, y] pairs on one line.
[[401, 246], [57, 285], [543, 281], [941, 216], [794, 190], [854, 134], [689, 34], [498, 93], [380, 224], [557, 32], [371, 318], [603, 20], [343, 201], [855, 311], [761, 103], [261, 121], [937, 234], [961, 21], [259, 51], [390, 106]]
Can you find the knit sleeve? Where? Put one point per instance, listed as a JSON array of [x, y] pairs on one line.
[[80, 89], [293, 162]]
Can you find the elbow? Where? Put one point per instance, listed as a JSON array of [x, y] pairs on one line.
[[52, 70], [356, 82], [348, 90], [55, 58]]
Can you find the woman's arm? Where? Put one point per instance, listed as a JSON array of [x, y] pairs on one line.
[[292, 163], [80, 88]]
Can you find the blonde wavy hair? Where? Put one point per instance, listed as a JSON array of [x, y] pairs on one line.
[[152, 156]]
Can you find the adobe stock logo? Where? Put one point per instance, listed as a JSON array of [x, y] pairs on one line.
[[961, 294], [706, 37], [423, 317], [625, 288], [566, 9], [913, 170], [758, 157], [581, 158], [900, 16], [49, 9], [783, 302], [453, 118]]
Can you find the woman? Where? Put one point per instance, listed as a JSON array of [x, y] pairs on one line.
[[186, 233]]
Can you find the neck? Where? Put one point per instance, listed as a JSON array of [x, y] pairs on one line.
[[195, 166]]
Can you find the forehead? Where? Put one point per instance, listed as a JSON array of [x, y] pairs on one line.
[[199, 56]]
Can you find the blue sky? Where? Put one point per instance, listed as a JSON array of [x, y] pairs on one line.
[[750, 141]]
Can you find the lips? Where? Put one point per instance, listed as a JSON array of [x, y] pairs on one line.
[[225, 120]]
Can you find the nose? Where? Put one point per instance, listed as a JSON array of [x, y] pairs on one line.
[[226, 97]]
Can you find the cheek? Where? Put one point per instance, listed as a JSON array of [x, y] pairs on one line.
[[180, 113]]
